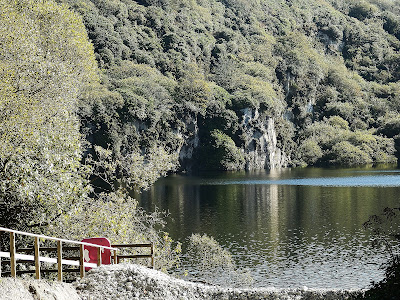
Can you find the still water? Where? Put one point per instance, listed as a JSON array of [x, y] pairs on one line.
[[290, 228]]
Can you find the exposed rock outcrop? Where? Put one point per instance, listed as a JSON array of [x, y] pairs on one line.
[[259, 142], [260, 149], [190, 142]]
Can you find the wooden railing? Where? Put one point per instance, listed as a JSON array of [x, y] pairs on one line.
[[150, 255], [15, 255]]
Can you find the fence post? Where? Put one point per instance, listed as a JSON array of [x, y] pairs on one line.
[[152, 255], [99, 256], [115, 257], [81, 260], [0, 265], [59, 261], [12, 255], [37, 261]]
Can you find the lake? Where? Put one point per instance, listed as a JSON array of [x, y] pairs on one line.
[[290, 227]]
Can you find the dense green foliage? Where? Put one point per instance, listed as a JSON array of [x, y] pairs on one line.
[[179, 75], [46, 64], [184, 84], [45, 59]]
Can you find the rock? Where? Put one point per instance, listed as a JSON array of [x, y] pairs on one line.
[[15, 289], [260, 150], [129, 286]]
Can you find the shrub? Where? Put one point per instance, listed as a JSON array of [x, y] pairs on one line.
[[347, 154], [310, 151], [339, 122], [362, 10], [210, 260], [384, 228], [220, 153]]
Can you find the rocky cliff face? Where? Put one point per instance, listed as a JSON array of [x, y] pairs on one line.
[[190, 142], [259, 142], [260, 147]]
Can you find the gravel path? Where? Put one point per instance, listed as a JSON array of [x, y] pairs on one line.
[[137, 282]]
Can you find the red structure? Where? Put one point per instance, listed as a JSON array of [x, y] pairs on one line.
[[90, 253]]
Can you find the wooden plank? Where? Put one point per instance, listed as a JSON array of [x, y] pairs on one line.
[[25, 257], [48, 249], [44, 271], [132, 245], [59, 261], [99, 256], [12, 255], [5, 254], [135, 256], [19, 272], [37, 258], [64, 271], [72, 258], [23, 261], [81, 261]]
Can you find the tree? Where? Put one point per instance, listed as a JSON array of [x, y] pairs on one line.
[[45, 59], [296, 61], [384, 229], [346, 154], [220, 153], [362, 10], [310, 151]]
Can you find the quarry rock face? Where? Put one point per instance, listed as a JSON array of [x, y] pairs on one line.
[[190, 142], [259, 143], [260, 149]]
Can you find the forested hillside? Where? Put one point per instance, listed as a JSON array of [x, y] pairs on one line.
[[236, 84], [182, 86]]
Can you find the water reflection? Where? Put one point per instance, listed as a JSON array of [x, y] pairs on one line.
[[289, 232]]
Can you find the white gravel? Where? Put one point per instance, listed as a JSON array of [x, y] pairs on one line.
[[138, 282], [18, 289]]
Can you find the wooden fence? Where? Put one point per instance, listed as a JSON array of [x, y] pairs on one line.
[[15, 255]]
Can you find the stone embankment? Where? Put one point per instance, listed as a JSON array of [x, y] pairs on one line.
[[137, 282]]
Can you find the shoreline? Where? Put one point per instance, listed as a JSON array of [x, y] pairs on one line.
[[129, 281]]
